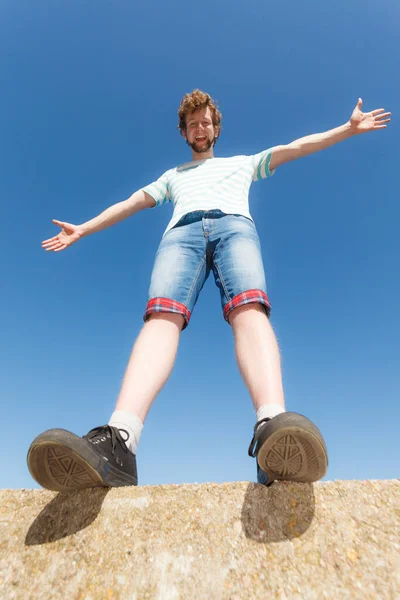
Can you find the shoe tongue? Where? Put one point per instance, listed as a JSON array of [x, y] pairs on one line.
[[97, 432]]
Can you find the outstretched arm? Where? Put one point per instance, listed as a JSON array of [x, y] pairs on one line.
[[359, 122], [118, 212], [70, 233]]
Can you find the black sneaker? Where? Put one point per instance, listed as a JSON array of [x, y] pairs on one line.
[[288, 447], [60, 460], [263, 477]]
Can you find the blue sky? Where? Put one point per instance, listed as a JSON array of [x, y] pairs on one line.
[[88, 114]]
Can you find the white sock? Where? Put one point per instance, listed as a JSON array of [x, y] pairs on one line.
[[269, 410], [127, 420]]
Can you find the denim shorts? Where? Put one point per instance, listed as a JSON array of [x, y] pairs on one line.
[[200, 242]]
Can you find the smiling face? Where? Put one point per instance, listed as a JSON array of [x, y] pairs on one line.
[[200, 132]]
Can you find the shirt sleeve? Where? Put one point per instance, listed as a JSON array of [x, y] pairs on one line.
[[260, 165], [159, 190]]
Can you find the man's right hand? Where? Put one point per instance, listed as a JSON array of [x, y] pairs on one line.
[[68, 235]]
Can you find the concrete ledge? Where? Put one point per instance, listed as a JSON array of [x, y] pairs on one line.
[[209, 541]]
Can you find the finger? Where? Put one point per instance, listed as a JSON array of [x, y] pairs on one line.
[[377, 111], [359, 103], [380, 126], [388, 114], [52, 246], [381, 121], [61, 248], [50, 243], [60, 223], [53, 239]]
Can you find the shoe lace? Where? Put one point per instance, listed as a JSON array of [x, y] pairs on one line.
[[253, 448], [114, 434]]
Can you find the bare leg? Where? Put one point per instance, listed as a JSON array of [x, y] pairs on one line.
[[151, 363], [60, 460], [257, 355]]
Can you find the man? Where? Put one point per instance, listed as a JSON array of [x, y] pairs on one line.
[[211, 229]]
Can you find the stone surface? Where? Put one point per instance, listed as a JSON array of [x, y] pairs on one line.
[[210, 541]]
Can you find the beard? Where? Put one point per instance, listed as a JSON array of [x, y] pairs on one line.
[[203, 147]]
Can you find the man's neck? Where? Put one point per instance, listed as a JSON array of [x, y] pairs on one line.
[[202, 155]]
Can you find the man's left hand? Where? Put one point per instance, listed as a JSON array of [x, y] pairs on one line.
[[362, 122]]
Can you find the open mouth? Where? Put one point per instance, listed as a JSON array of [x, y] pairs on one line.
[[201, 138]]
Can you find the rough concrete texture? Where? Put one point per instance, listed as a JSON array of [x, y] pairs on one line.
[[213, 541]]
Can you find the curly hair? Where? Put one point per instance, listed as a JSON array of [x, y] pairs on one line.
[[194, 101]]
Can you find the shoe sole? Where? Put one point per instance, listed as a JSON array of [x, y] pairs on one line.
[[293, 450], [61, 461]]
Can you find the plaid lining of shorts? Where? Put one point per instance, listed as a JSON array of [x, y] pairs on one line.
[[167, 305], [247, 297]]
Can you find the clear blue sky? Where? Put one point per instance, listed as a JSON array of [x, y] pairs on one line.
[[88, 114]]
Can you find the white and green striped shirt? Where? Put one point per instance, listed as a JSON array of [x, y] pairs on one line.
[[212, 183]]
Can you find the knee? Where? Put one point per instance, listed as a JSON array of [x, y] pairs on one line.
[[245, 312], [175, 318]]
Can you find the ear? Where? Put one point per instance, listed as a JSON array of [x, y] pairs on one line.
[[183, 133]]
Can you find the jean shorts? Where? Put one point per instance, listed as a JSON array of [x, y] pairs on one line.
[[200, 242]]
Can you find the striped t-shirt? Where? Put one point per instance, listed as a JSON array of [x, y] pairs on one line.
[[211, 183]]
